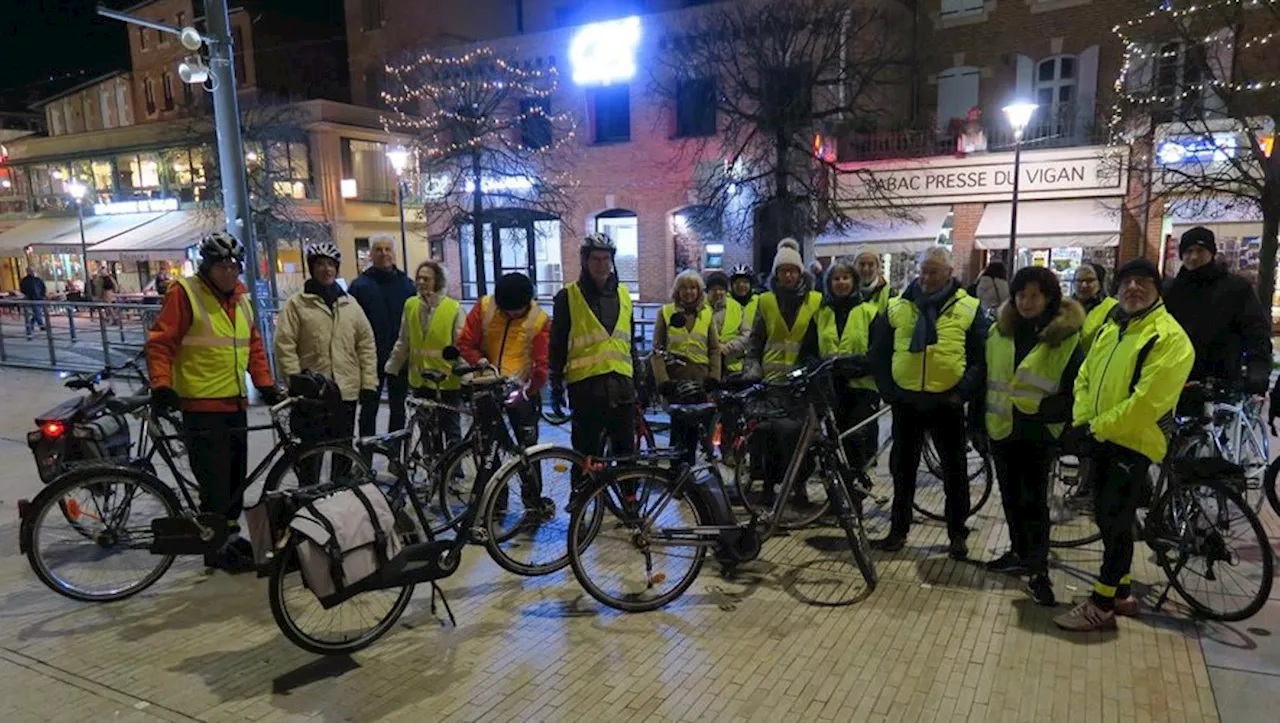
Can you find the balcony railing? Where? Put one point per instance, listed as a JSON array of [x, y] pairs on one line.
[[1061, 127]]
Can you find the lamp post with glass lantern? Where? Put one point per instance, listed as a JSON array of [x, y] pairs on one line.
[[77, 191], [1019, 115], [399, 158]]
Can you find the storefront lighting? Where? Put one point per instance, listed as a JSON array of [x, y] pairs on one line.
[[76, 189], [348, 187], [494, 185], [715, 248], [155, 205], [604, 53]]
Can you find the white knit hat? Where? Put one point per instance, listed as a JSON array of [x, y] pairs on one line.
[[788, 253]]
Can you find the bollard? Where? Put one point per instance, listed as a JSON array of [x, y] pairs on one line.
[[71, 322], [48, 333]]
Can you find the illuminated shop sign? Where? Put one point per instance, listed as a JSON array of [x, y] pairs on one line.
[[1214, 148], [604, 53]]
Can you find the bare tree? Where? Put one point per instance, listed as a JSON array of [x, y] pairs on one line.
[[485, 138], [783, 77], [1198, 84]]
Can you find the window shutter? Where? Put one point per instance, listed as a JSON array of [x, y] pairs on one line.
[[1026, 70], [1218, 59], [1086, 91], [957, 93]]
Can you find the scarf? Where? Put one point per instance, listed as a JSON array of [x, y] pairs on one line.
[[330, 293], [744, 300], [929, 305]]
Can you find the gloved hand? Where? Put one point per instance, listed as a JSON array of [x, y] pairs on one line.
[[270, 396], [370, 398], [165, 399], [557, 400], [1077, 440], [1258, 382]]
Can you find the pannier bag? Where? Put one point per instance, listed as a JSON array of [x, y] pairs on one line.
[[103, 438], [345, 537]]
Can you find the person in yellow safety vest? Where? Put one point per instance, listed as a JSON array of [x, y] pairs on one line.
[[1125, 397], [872, 287], [591, 353], [927, 352], [1098, 305], [510, 331], [694, 347], [742, 290], [844, 327], [728, 317], [1033, 355], [431, 322], [783, 337], [199, 349]]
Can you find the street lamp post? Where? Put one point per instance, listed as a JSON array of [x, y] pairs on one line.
[[77, 191], [1019, 115], [399, 158]]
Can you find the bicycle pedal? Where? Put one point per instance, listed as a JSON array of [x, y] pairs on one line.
[[479, 535]]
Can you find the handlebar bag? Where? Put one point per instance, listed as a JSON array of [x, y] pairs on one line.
[[343, 539]]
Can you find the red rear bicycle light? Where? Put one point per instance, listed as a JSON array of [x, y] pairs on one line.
[[54, 429]]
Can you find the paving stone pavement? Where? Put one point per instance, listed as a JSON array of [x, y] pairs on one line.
[[936, 641]]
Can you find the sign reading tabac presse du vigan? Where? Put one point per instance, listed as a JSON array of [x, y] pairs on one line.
[[1089, 172]]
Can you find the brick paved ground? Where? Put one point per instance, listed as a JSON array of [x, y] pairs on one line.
[[937, 640]]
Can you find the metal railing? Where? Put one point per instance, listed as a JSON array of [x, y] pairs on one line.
[[85, 336]]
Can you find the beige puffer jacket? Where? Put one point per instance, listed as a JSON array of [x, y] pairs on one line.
[[337, 343]]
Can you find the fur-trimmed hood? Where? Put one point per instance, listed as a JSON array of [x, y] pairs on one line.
[[1069, 320]]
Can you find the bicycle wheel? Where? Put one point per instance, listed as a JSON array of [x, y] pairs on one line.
[[1205, 535], [547, 410], [1071, 522], [453, 481], [808, 503], [931, 498], [313, 465], [525, 511], [1269, 485], [1254, 455], [849, 513], [352, 625], [623, 525], [115, 507]]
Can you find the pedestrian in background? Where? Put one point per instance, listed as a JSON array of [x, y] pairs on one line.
[[382, 291], [872, 286], [991, 288], [1091, 281], [32, 287]]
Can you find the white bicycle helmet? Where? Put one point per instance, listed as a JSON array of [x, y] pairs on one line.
[[598, 241], [323, 250], [221, 246], [741, 270]]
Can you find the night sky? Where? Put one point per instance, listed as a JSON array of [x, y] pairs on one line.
[[46, 39]]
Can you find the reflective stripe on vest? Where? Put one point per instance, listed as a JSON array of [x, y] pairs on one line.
[[730, 329], [509, 342], [854, 340], [1038, 376], [692, 345], [940, 366], [426, 344], [592, 350], [214, 355], [782, 344]]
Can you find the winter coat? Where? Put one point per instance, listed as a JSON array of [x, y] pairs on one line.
[[991, 292], [1055, 408], [1223, 318], [336, 342], [32, 287], [381, 295]]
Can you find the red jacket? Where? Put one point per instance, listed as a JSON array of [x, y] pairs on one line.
[[473, 346]]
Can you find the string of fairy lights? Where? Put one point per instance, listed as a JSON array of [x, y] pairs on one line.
[[1140, 55]]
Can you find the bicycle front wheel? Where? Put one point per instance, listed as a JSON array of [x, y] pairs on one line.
[[1269, 484], [525, 511], [849, 513], [352, 625], [633, 549], [103, 555], [931, 496], [1213, 549], [1071, 495]]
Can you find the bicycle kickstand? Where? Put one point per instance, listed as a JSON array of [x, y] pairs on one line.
[[435, 589], [1164, 596]]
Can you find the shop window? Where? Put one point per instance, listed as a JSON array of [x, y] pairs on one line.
[[371, 17], [957, 93], [366, 163], [149, 96], [624, 228], [187, 173], [612, 111], [138, 175], [535, 122], [695, 107]]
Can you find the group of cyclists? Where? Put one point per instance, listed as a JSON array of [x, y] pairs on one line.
[[1035, 373]]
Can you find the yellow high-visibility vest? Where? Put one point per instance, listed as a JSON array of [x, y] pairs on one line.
[[593, 351], [854, 340], [1038, 376], [692, 345], [214, 355], [426, 345], [782, 344], [939, 367]]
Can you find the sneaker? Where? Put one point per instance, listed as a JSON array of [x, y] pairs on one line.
[[1127, 606], [958, 550], [892, 543], [1008, 563], [1041, 590], [1086, 617]]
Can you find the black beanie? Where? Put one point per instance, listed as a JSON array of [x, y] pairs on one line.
[[513, 292], [717, 278], [1138, 267], [1198, 236]]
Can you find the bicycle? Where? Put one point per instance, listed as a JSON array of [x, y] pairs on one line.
[[930, 499], [638, 491], [426, 558], [104, 499]]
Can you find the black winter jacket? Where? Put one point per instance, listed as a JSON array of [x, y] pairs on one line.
[[600, 392], [382, 294], [1224, 319]]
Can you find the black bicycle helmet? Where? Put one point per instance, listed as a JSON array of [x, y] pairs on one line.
[[513, 292]]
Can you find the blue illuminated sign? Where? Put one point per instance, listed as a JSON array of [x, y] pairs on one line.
[[1215, 148], [604, 53]]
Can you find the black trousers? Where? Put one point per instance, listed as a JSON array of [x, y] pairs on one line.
[[946, 424], [1022, 468], [524, 421], [316, 424], [397, 389], [1121, 478], [218, 447], [592, 425], [854, 406]]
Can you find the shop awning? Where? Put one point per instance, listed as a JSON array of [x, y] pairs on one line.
[[883, 234], [167, 237], [1228, 219], [61, 235], [1073, 223]]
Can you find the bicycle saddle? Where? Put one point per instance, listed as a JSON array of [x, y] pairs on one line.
[[125, 405]]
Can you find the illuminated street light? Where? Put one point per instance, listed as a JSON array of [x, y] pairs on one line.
[[77, 190], [1019, 115], [399, 158]]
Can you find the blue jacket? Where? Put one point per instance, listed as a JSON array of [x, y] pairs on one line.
[[382, 295]]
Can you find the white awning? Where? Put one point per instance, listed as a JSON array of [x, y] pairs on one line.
[[167, 237], [1227, 219], [883, 234], [61, 234], [1074, 223]]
